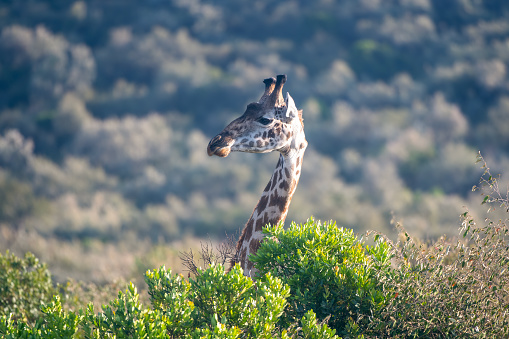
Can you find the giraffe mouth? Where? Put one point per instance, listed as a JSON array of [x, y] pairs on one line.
[[220, 152], [220, 146]]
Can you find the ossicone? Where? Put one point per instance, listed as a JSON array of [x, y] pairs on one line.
[[270, 83], [276, 97]]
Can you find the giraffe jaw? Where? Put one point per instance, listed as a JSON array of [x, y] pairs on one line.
[[220, 146], [220, 152]]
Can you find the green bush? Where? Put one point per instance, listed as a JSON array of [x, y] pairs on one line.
[[329, 270], [24, 285], [217, 299], [213, 305], [124, 317]]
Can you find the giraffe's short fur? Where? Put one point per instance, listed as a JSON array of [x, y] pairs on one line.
[[271, 124]]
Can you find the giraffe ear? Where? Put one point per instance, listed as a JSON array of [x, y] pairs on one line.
[[291, 109]]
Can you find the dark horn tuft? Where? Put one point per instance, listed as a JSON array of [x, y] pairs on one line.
[[269, 81], [269, 87], [276, 97], [281, 79]]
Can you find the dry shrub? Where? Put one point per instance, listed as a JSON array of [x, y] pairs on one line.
[[451, 288]]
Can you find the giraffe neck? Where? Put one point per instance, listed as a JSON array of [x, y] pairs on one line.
[[272, 207]]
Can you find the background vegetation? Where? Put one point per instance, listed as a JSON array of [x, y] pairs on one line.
[[315, 281], [106, 109]]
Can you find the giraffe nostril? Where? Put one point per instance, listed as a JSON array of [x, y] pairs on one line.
[[215, 139]]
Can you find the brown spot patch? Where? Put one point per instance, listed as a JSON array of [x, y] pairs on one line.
[[294, 184], [281, 205], [261, 222], [262, 204], [249, 229], [254, 245], [284, 185], [243, 257], [287, 172], [274, 181], [278, 201], [267, 187], [273, 198]]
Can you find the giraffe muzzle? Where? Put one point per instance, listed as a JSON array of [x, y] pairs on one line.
[[220, 146]]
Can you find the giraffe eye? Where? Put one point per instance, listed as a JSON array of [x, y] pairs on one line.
[[264, 121]]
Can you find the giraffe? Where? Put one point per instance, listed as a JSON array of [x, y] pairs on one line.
[[271, 124]]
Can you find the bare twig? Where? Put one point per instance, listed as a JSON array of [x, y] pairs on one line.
[[225, 253]]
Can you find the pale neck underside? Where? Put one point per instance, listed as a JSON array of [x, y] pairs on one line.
[[273, 205]]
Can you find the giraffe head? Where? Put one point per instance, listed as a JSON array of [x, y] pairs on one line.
[[271, 124]]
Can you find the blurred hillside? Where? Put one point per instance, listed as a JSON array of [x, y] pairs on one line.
[[106, 109]]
